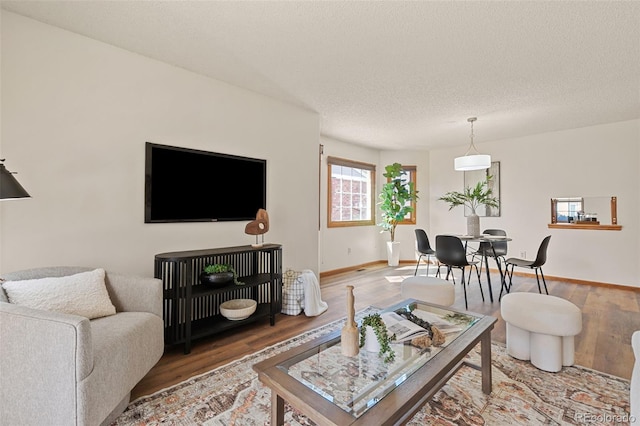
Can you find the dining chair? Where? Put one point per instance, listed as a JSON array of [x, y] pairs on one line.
[[451, 252], [424, 248], [494, 249], [535, 264]]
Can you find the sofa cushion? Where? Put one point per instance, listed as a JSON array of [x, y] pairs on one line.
[[125, 347], [83, 294]]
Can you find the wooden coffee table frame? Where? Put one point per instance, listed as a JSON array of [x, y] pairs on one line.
[[396, 407]]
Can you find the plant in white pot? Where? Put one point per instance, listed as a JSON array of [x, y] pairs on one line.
[[481, 194], [396, 202], [374, 337]]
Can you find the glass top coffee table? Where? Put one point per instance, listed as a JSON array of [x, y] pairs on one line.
[[334, 389]]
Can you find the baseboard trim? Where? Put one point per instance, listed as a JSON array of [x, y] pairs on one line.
[[516, 273], [578, 281], [349, 269]]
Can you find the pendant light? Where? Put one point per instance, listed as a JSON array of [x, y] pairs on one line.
[[472, 160], [10, 188]]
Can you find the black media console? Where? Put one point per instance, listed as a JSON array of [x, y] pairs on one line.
[[191, 309]]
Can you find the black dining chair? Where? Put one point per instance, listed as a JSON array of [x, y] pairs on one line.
[[495, 249], [451, 252], [424, 248], [536, 264]]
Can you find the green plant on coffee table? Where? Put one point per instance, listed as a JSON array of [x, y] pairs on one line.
[[217, 268], [380, 329]]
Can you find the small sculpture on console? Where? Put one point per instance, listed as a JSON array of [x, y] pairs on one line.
[[260, 226]]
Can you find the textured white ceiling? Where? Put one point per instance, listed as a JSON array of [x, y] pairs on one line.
[[390, 74]]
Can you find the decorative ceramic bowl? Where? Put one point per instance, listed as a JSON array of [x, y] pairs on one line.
[[238, 309], [216, 279]]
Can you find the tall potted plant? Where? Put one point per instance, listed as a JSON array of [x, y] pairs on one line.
[[396, 201], [481, 194]]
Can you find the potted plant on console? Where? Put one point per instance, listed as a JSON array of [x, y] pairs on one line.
[[472, 198], [396, 201], [219, 274]]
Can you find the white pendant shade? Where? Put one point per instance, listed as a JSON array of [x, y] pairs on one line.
[[472, 162], [475, 161]]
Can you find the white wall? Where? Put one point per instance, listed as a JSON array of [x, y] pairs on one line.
[[76, 114], [602, 160], [596, 161], [349, 246]]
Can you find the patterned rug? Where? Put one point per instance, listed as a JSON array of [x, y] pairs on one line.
[[522, 395]]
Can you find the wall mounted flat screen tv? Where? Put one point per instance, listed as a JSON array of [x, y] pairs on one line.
[[188, 185]]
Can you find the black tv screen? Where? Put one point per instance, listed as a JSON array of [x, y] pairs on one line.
[[188, 185]]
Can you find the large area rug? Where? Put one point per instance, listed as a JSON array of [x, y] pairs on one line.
[[522, 394]]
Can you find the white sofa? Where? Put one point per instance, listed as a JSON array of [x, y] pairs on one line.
[[63, 369]]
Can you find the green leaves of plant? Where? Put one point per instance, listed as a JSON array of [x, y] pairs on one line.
[[222, 267], [379, 327], [395, 197], [472, 197], [218, 267]]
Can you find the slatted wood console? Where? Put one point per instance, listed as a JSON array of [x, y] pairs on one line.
[[191, 309]]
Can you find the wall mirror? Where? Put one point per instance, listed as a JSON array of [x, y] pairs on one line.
[[471, 179], [585, 213]]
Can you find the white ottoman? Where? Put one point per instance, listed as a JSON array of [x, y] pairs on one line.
[[541, 328], [429, 289]]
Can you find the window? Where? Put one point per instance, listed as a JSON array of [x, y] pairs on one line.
[[584, 213], [350, 193], [565, 210], [409, 175]]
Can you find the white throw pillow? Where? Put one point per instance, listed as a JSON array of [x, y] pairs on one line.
[[83, 294]]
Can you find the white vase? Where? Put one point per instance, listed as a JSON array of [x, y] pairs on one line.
[[371, 343], [393, 253], [473, 225]]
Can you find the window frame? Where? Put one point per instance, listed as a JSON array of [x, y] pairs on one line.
[[412, 171], [371, 168], [555, 216], [591, 226]]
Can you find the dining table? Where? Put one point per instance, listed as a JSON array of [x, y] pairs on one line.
[[491, 239]]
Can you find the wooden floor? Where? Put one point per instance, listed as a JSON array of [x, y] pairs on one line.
[[610, 316]]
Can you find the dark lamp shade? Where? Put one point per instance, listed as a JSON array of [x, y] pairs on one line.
[[9, 187]]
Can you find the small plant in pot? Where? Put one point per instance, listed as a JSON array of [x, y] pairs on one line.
[[481, 194], [374, 321], [219, 274]]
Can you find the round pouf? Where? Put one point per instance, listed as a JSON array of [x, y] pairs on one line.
[[541, 328], [428, 289]]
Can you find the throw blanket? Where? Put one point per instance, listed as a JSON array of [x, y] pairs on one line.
[[302, 292], [313, 304]]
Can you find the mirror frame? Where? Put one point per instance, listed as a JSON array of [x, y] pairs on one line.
[[614, 219]]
